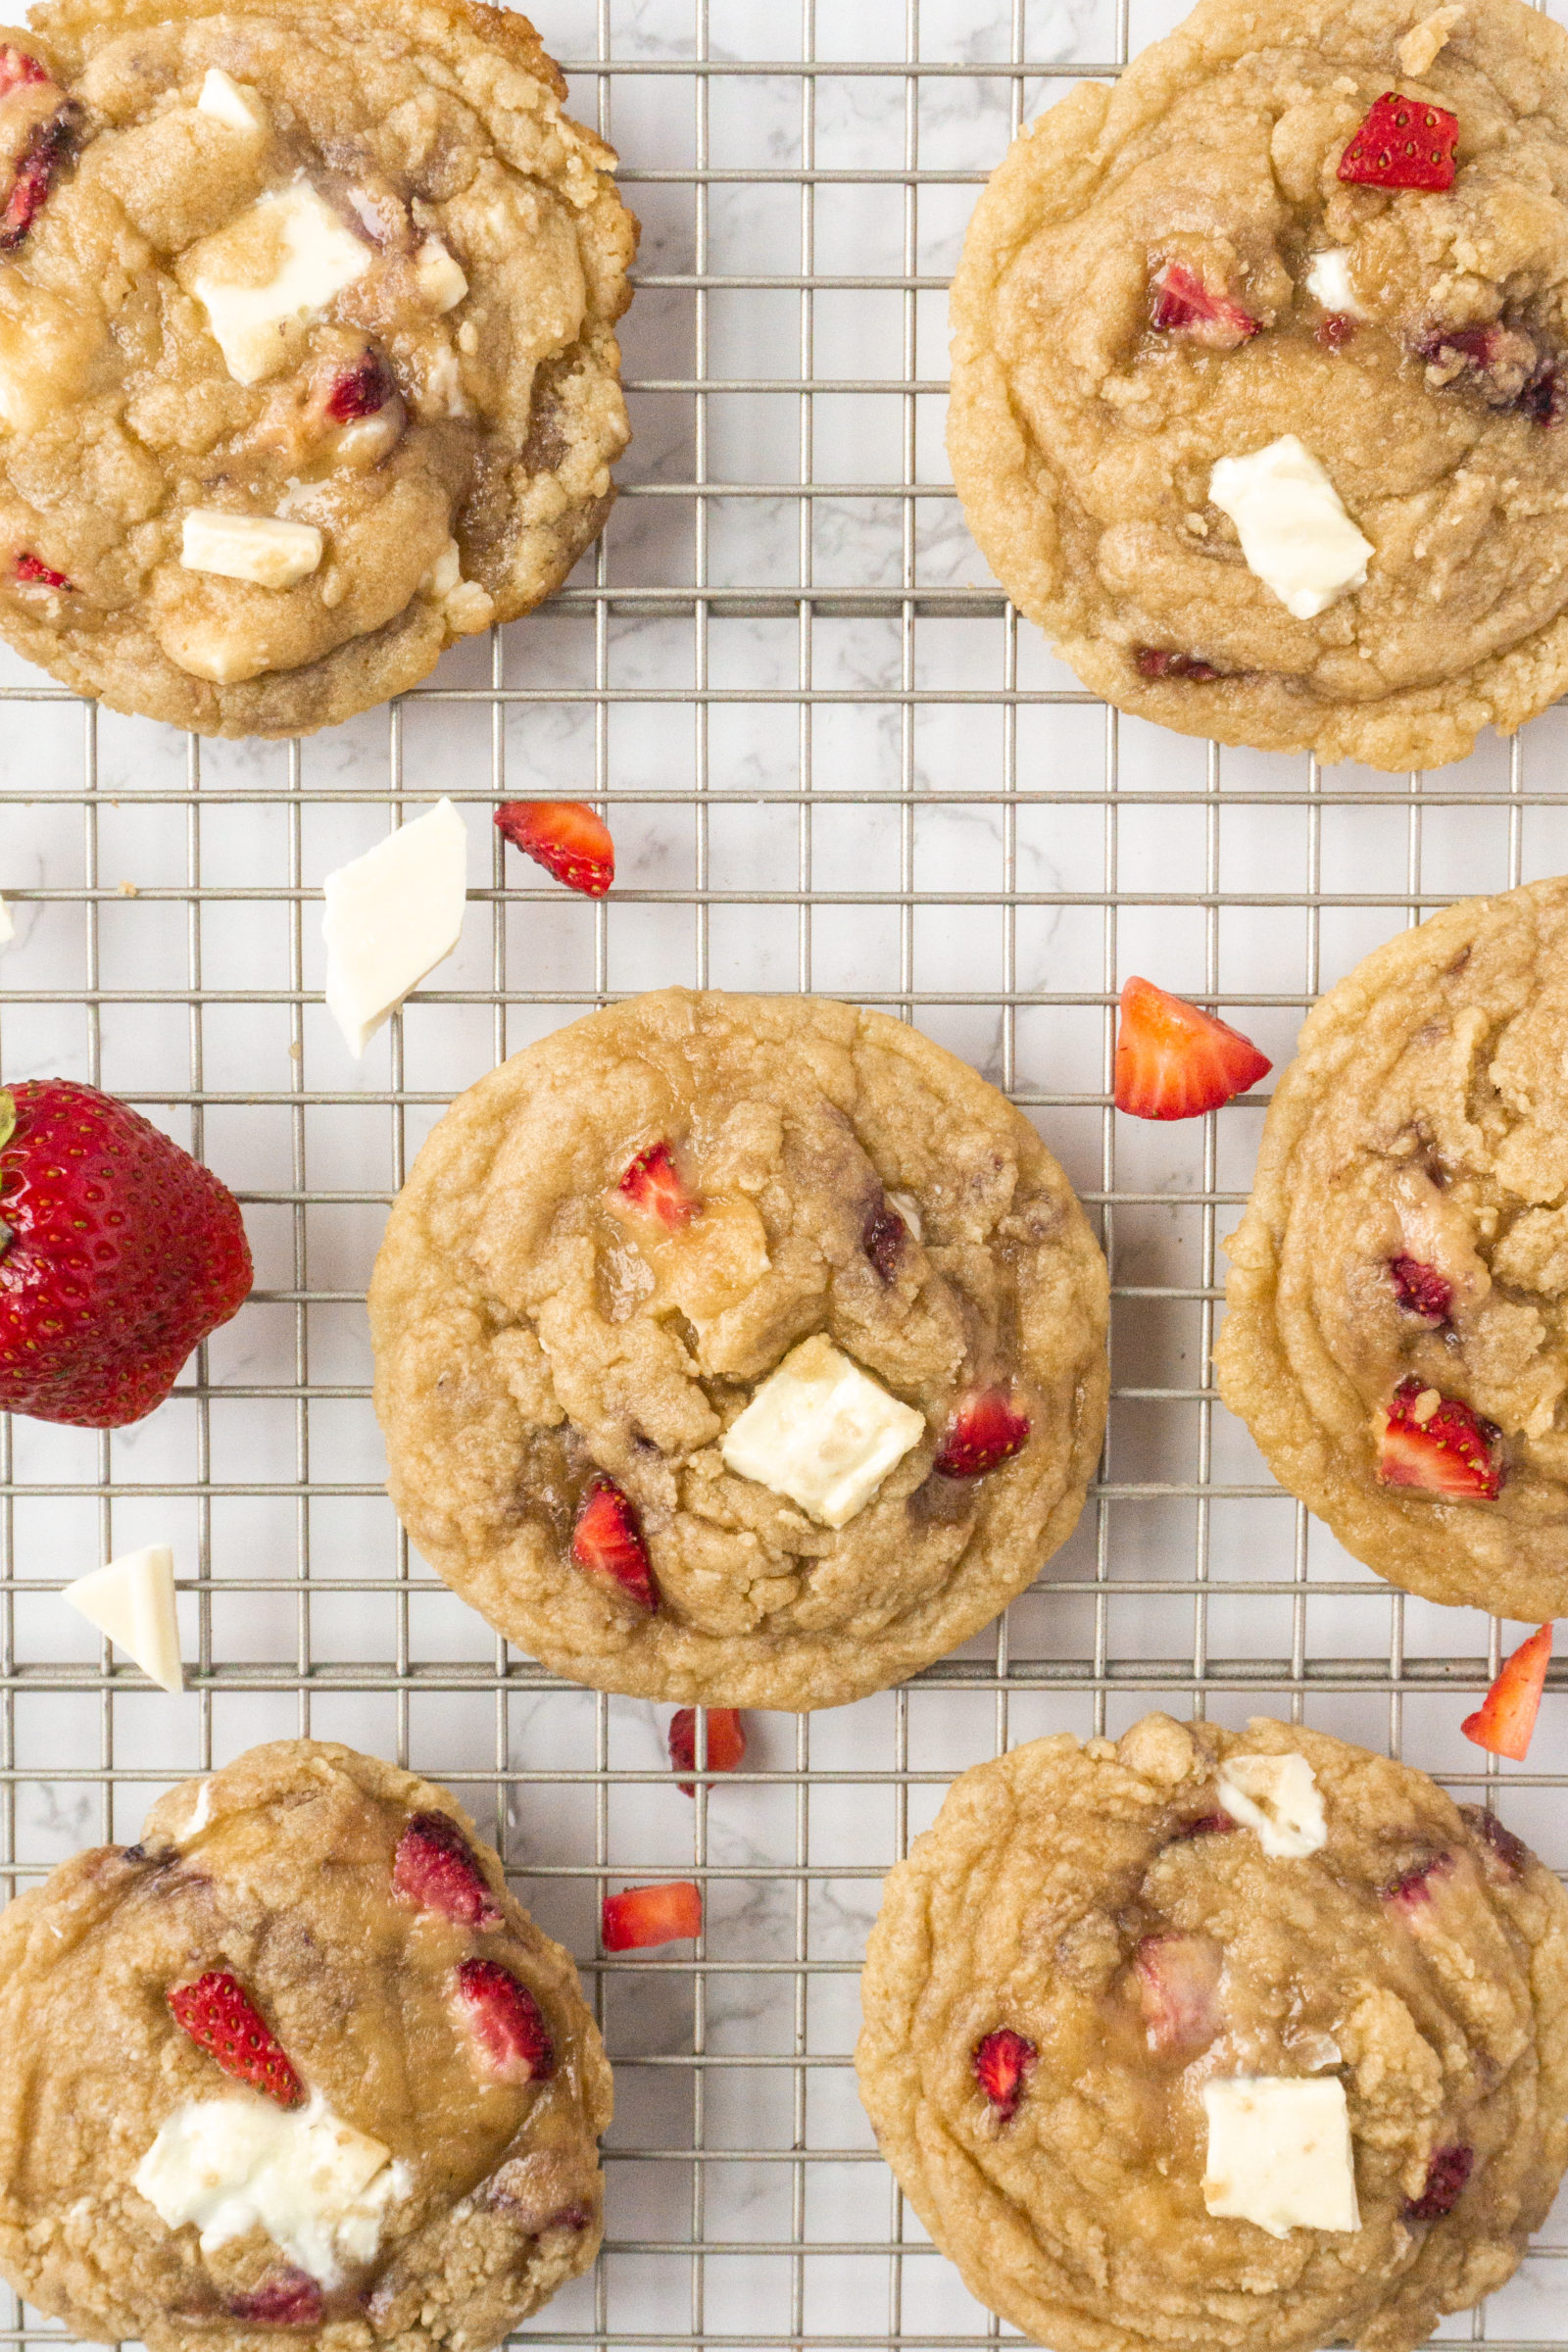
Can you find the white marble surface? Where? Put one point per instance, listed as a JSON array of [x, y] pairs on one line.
[[314, 1141]]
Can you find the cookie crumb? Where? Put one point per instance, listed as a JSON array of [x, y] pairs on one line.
[[1422, 42]]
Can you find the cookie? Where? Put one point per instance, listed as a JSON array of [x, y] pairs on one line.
[[1257, 360], [297, 2060], [1396, 1338], [306, 362], [1225, 2042], [745, 1349]]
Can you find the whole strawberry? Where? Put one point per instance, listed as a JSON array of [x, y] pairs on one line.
[[118, 1254]]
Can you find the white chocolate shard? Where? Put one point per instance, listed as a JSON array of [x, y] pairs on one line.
[[391, 916], [1279, 1798], [259, 547], [314, 254], [1279, 2152], [821, 1432], [232, 102], [132, 1602], [1295, 534]]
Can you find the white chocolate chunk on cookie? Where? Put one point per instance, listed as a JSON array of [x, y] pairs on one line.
[[281, 264], [1295, 534], [1329, 282], [821, 1432], [132, 1602], [232, 102], [259, 548], [391, 917], [1279, 1798], [439, 276], [1280, 2153]]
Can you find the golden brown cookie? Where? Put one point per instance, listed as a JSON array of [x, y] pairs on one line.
[[738, 1349], [1173, 276], [296, 2062], [1132, 2011], [1396, 1338], [306, 362]]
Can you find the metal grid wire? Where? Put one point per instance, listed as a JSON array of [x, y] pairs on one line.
[[832, 760]]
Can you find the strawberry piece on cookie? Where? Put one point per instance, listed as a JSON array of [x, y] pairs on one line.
[[1001, 2062], [1439, 1445], [1185, 306], [1404, 144], [222, 2019], [986, 1430], [434, 1867], [608, 1543], [510, 2036]]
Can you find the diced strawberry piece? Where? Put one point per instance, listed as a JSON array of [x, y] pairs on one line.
[[1512, 1854], [34, 572], [1444, 1448], [1447, 2175], [222, 2019], [727, 1741], [16, 68], [1173, 1060], [884, 1237], [1506, 1716], [283, 2299], [1001, 2063], [41, 157], [1336, 330], [1205, 1825], [1421, 1289], [510, 2034], [643, 1915], [564, 837], [362, 389], [652, 1185], [1413, 1890], [1178, 1988], [1404, 144], [434, 1867], [1154, 661], [608, 1542], [1185, 306], [986, 1428]]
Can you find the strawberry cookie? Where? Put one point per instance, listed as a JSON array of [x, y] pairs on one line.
[[1260, 370], [296, 2062], [1397, 1333], [306, 362], [748, 1350], [1224, 2042]]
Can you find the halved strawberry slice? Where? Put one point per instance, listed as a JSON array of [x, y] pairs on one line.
[[34, 572], [434, 1867], [283, 2299], [1439, 1445], [727, 1741], [1173, 1060], [1178, 1988], [564, 837], [1404, 144], [986, 1428], [1002, 2061], [1447, 2175], [650, 1186], [222, 2019], [511, 2038], [1421, 1289], [1185, 306], [1506, 1716], [608, 1542], [643, 1915]]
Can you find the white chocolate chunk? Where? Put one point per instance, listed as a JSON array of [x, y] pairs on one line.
[[822, 1431], [1279, 1798], [314, 256], [470, 608], [1328, 281], [1280, 2153], [250, 547], [444, 573], [132, 1602], [315, 2185], [231, 102], [391, 917], [438, 274], [908, 1209], [1294, 533]]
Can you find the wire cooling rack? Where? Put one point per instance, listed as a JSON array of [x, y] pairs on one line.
[[833, 761]]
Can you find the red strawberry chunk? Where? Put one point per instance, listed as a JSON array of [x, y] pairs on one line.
[[727, 1741], [1413, 1891], [884, 1237], [46, 151], [565, 837], [1205, 1825], [986, 1428], [1178, 1990], [1504, 1721], [1185, 306], [652, 1187], [1336, 330], [434, 1867], [1001, 2063], [222, 2019], [1512, 1855], [283, 2299], [34, 572], [1404, 144], [1442, 1447], [1421, 1289], [1173, 1060], [639, 1916], [510, 2036], [1447, 2175], [362, 390], [608, 1542], [1155, 661], [17, 67]]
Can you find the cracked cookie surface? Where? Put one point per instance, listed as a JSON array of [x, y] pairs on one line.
[[307, 360], [1141, 299], [1086, 1939], [352, 1905], [1396, 1337], [610, 1245]]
